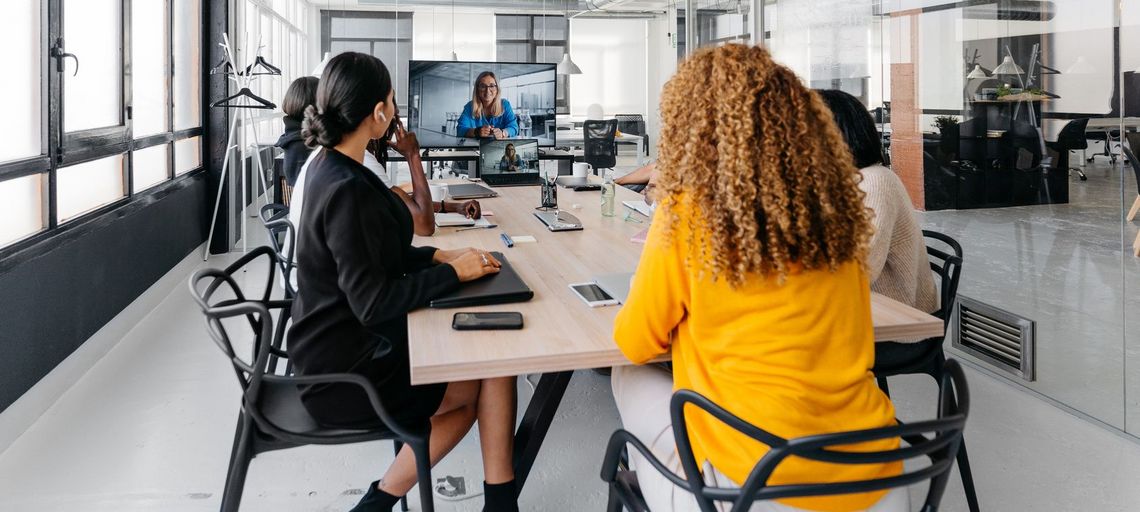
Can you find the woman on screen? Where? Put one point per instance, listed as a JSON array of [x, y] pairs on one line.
[[487, 115], [511, 161]]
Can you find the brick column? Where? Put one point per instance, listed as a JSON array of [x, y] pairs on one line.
[[906, 113]]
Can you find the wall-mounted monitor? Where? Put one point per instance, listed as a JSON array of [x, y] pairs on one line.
[[441, 96]]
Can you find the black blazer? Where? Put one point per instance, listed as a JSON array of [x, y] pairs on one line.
[[296, 152], [358, 275]]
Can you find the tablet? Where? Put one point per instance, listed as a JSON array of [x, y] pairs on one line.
[[593, 295]]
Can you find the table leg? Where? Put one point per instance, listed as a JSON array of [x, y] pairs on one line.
[[536, 422]]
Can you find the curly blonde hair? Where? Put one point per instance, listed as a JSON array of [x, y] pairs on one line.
[[769, 179]]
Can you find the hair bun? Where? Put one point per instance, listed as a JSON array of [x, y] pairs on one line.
[[320, 130]]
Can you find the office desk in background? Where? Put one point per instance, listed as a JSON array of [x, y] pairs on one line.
[[561, 333], [578, 137]]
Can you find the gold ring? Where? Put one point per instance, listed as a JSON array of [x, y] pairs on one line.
[[485, 262]]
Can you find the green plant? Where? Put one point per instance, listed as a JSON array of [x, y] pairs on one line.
[[943, 122], [1004, 90], [1036, 91]]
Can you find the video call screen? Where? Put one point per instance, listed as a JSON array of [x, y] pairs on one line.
[[438, 91]]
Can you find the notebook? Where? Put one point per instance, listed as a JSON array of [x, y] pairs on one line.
[[615, 285], [639, 206], [444, 220], [502, 288]]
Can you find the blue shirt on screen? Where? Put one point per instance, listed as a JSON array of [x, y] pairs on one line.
[[506, 122]]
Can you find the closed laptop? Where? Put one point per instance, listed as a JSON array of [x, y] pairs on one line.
[[502, 288]]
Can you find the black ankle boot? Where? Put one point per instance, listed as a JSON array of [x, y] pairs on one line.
[[500, 497], [376, 500]]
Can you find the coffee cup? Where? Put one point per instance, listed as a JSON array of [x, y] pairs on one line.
[[438, 192], [581, 169]]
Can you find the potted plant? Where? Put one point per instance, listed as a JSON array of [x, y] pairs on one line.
[[1004, 90], [944, 122]]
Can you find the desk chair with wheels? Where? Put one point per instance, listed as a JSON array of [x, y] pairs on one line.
[[633, 124], [600, 147], [1110, 137], [953, 410], [1072, 137], [927, 356], [272, 416]]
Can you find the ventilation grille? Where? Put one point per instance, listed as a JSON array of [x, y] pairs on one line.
[[998, 337]]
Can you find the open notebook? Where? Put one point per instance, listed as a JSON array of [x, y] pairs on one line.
[[443, 220]]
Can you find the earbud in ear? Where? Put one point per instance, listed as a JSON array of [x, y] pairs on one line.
[[383, 117]]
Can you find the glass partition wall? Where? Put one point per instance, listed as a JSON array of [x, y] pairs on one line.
[[1008, 123]]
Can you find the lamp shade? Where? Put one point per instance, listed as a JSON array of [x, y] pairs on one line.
[[977, 72], [1008, 67], [320, 69], [567, 66]]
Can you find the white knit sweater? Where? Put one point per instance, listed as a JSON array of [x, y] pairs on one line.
[[897, 259]]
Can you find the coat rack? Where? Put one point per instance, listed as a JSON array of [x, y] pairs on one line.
[[243, 102]]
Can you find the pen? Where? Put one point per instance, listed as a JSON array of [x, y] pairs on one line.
[[507, 240], [488, 226]]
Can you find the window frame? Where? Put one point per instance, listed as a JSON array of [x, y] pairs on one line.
[[60, 150]]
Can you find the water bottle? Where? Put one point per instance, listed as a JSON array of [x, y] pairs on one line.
[[608, 195]]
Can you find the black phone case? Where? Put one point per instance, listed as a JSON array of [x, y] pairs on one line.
[[477, 322]]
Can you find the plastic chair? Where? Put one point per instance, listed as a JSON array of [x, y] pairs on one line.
[[927, 356], [1072, 137], [940, 449], [600, 150], [282, 238], [272, 416]]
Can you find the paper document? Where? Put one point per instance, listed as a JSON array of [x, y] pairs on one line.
[[639, 206], [443, 220]]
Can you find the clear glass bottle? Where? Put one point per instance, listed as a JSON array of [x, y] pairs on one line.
[[609, 194]]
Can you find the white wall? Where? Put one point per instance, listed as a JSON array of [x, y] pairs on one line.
[[615, 71], [662, 59]]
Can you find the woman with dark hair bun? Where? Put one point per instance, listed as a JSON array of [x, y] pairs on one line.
[[358, 278], [301, 93]]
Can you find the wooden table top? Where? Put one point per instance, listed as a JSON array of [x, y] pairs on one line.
[[562, 333]]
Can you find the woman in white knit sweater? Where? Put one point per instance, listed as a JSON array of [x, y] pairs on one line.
[[899, 268]]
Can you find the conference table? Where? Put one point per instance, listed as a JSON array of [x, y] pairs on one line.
[[561, 333]]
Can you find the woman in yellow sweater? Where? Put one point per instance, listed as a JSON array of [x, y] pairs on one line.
[[754, 276]]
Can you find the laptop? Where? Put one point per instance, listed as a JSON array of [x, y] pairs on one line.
[[509, 162], [502, 288], [470, 191], [615, 285], [573, 181]]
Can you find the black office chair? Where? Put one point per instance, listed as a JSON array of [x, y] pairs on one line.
[[282, 238], [272, 416], [633, 124], [927, 356], [1110, 137], [953, 410], [600, 149], [1072, 137]]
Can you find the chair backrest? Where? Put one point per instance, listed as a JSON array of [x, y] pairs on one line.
[[600, 148], [220, 297], [1130, 153], [1072, 136], [941, 448], [945, 254], [630, 123], [283, 240]]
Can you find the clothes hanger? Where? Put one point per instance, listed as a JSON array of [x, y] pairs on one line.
[[256, 102], [266, 67], [225, 67]]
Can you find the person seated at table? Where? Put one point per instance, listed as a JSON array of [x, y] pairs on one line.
[[359, 277], [753, 277], [300, 94], [896, 261], [511, 161], [487, 115]]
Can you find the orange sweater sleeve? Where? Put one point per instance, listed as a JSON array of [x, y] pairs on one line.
[[658, 296]]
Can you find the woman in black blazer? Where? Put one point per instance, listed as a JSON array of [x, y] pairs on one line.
[[358, 278]]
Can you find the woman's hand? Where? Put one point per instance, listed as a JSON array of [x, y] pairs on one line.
[[498, 134], [447, 256], [486, 131], [406, 142], [470, 208], [473, 264]]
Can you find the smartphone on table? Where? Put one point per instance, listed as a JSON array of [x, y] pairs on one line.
[[487, 321], [593, 295]]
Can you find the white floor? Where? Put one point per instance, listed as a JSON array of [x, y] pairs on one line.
[[149, 427]]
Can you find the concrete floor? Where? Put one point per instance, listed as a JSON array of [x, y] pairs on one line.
[[149, 427]]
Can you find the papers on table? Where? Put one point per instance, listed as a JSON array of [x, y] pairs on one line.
[[639, 206], [444, 220]]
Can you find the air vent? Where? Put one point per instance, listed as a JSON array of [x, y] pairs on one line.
[[1004, 340]]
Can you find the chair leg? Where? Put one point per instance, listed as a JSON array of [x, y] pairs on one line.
[[398, 445], [967, 478], [883, 385], [613, 503], [423, 473], [1135, 208], [1136, 246], [240, 457]]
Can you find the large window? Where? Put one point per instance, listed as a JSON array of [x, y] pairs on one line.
[[101, 92], [275, 30]]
